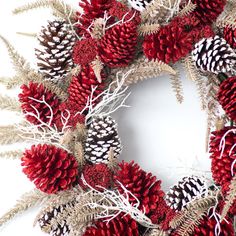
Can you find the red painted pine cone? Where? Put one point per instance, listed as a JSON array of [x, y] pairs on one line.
[[97, 176], [169, 44], [207, 10], [230, 36], [227, 97], [207, 228], [37, 91], [117, 47], [119, 226], [81, 87], [50, 168], [92, 9], [142, 185], [222, 161]]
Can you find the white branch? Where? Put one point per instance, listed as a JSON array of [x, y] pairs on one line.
[[116, 203]]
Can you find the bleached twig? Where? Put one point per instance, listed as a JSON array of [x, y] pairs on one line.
[[117, 204], [44, 132], [109, 101]]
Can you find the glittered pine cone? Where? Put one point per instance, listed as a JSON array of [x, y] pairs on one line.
[[84, 51], [141, 184], [39, 92], [230, 36], [207, 11], [117, 47], [50, 168], [222, 155], [122, 225], [185, 191], [169, 44], [227, 97], [80, 88], [97, 176]]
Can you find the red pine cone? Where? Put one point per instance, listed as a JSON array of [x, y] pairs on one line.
[[119, 10], [92, 9], [163, 215], [169, 44], [50, 168], [119, 226], [222, 161], [81, 87], [230, 36], [227, 97], [84, 51], [37, 91], [75, 116], [207, 228], [97, 176], [207, 11], [142, 185], [117, 47]]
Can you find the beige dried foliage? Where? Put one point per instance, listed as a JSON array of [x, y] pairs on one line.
[[177, 87], [98, 28], [9, 103], [159, 10], [112, 160], [12, 82], [187, 9], [202, 91], [197, 207], [17, 154], [34, 35], [79, 154], [59, 8], [28, 200], [9, 135], [230, 198], [227, 17], [142, 69], [27, 74], [146, 29], [97, 67]]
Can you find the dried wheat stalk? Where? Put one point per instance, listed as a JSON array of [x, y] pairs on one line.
[[177, 87], [230, 198], [59, 8], [187, 9], [9, 103], [9, 135], [142, 69], [146, 29], [11, 154], [27, 201]]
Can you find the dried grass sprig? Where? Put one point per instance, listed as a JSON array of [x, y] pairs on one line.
[[9, 135], [194, 208], [230, 198], [9, 103], [192, 72], [142, 69], [146, 29], [187, 9], [59, 8], [177, 87], [28, 200], [17, 154], [227, 17], [202, 91], [160, 10], [12, 82], [97, 67]]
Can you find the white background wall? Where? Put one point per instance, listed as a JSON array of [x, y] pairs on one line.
[[164, 137]]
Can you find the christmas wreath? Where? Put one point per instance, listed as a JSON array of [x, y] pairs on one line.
[[86, 60]]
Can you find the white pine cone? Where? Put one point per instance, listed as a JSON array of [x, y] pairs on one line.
[[185, 191], [139, 5], [102, 137], [214, 55], [55, 52]]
